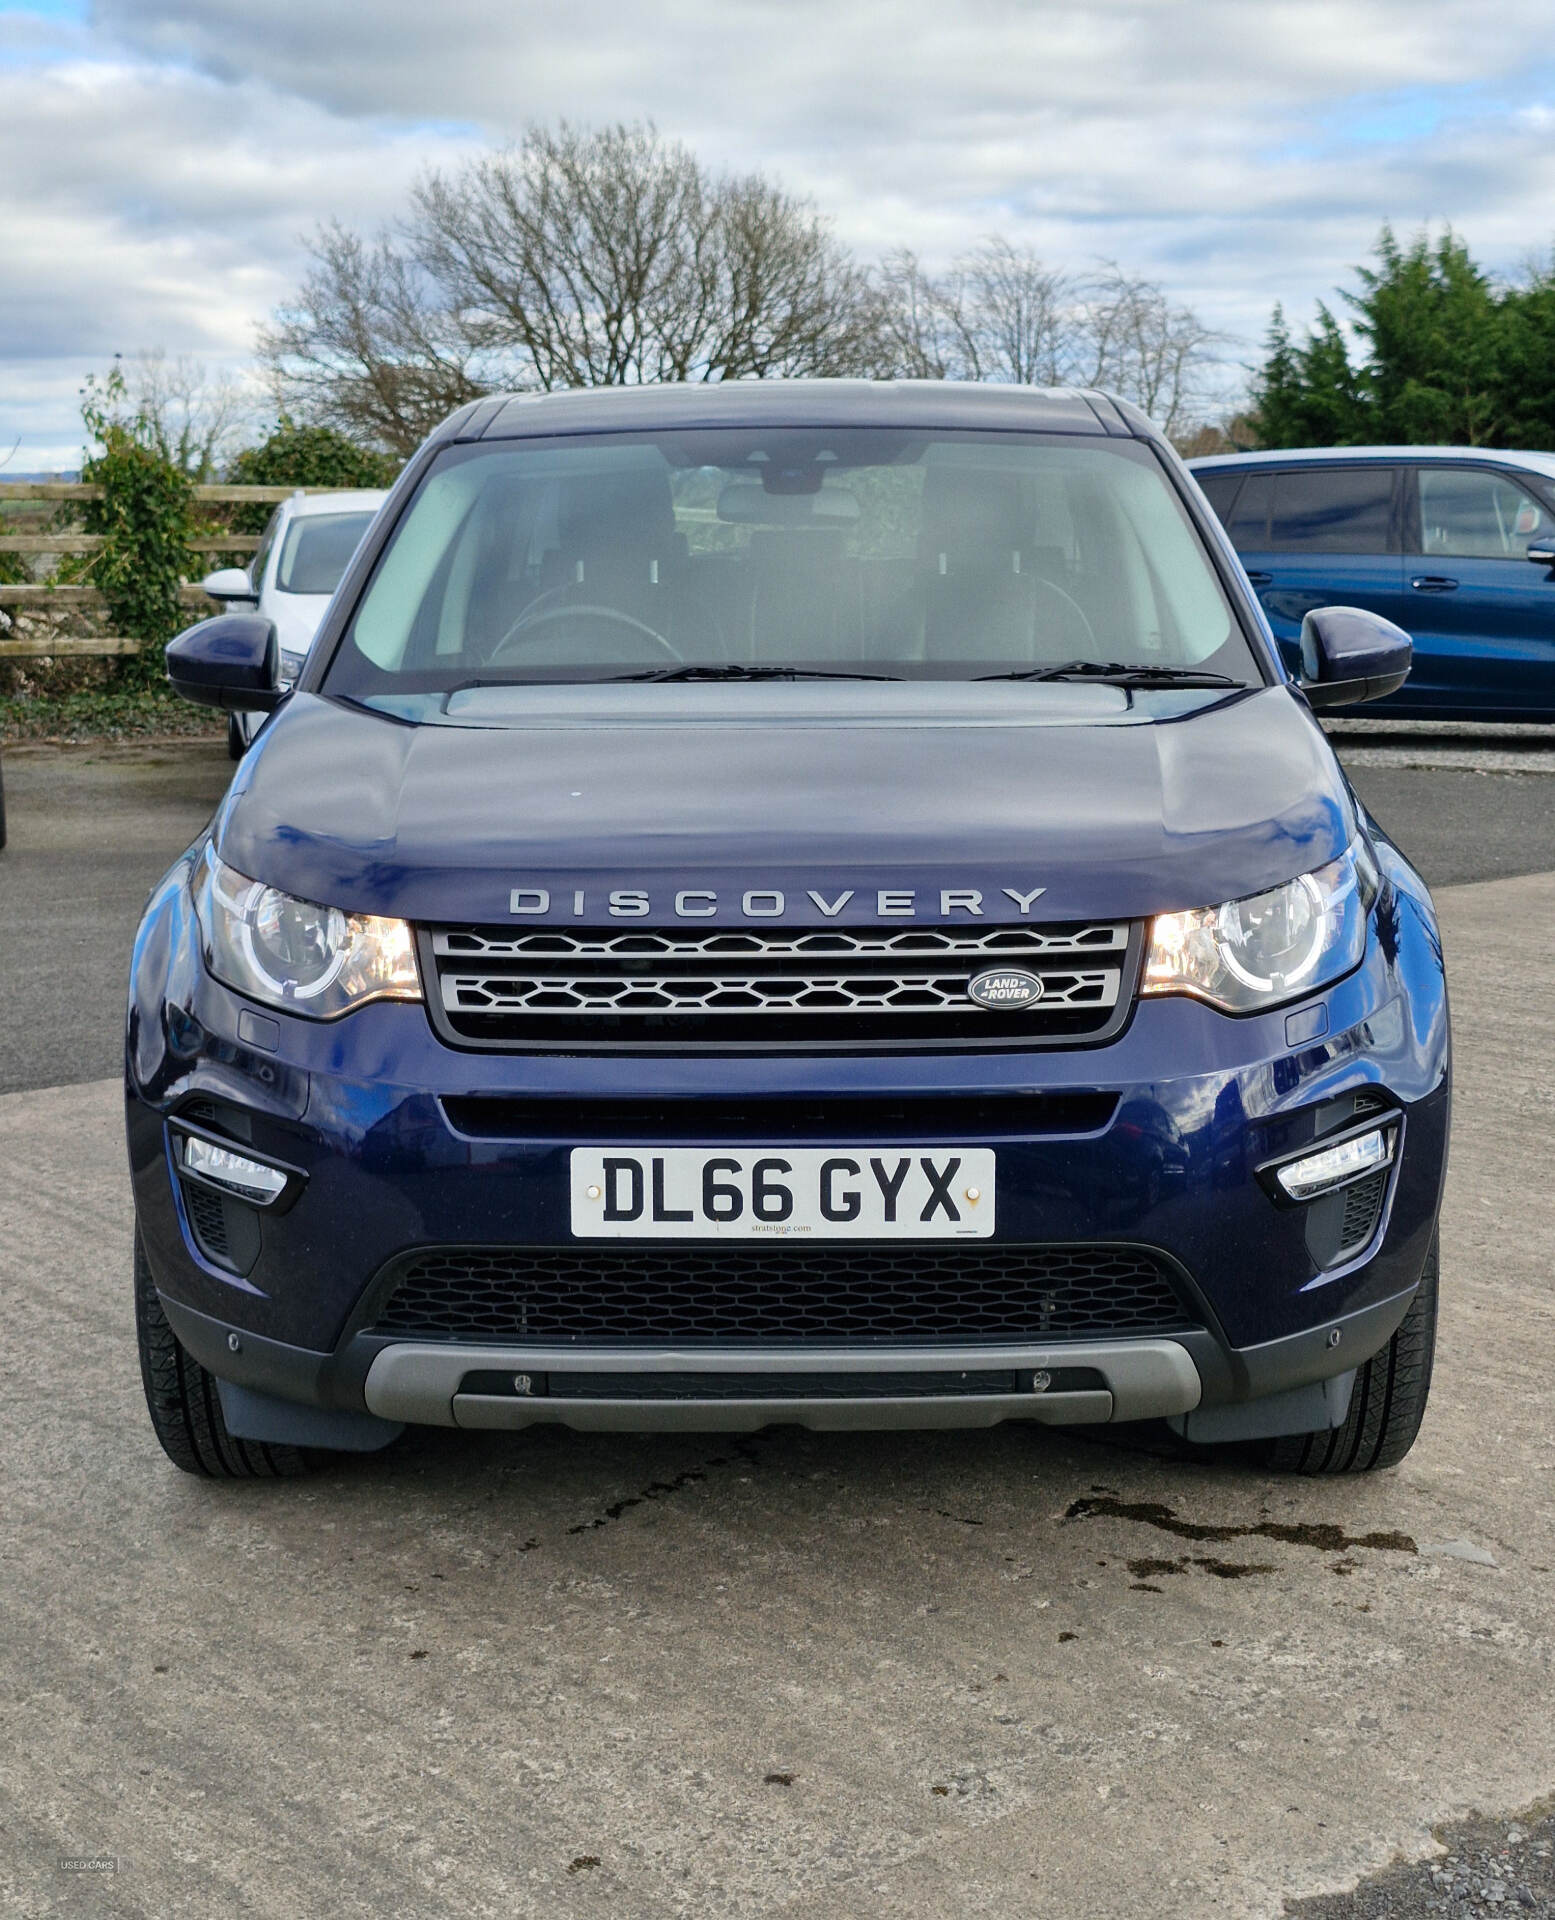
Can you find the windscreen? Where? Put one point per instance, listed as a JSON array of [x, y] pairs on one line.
[[882, 552], [316, 549]]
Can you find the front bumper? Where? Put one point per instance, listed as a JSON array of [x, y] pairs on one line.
[[1282, 1386], [1199, 1104]]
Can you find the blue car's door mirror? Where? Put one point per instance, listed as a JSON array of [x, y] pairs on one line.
[[230, 661], [1349, 655]]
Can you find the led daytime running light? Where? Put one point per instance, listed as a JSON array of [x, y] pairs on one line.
[[252, 1178], [1306, 1178]]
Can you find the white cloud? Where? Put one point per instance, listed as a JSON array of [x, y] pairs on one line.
[[160, 163], [150, 206]]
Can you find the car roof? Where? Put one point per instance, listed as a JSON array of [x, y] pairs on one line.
[[306, 506], [946, 404], [1530, 462]]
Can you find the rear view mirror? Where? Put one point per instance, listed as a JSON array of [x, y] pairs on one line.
[[229, 583], [747, 503], [1349, 655], [230, 662]]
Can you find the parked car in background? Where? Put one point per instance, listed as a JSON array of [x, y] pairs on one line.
[[290, 579], [1454, 544]]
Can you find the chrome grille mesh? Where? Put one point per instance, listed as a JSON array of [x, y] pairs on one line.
[[752, 993], [732, 944], [654, 985]]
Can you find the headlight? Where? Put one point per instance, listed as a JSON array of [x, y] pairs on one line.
[[1253, 953], [293, 954]]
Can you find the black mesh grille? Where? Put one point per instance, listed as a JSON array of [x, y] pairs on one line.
[[1362, 1205], [838, 1292], [208, 1218]]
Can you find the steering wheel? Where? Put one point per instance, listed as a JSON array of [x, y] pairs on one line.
[[526, 630]]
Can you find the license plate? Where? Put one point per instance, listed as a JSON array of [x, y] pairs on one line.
[[822, 1193]]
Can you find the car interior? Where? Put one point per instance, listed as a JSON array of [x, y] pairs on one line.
[[946, 564]]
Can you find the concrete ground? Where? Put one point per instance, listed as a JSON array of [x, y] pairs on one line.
[[809, 1675], [91, 831]]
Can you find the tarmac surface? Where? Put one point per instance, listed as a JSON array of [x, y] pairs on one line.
[[796, 1674]]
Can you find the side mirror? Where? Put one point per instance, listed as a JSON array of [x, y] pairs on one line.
[[1349, 655], [230, 661], [1542, 554], [230, 583]]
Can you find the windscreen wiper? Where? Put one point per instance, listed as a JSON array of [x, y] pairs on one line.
[[733, 670], [1119, 673]]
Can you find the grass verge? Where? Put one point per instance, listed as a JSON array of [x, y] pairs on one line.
[[102, 713]]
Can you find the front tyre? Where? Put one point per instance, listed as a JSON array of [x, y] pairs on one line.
[[185, 1407], [1387, 1404]]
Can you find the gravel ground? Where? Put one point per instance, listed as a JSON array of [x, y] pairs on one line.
[[1444, 745], [1486, 1867]]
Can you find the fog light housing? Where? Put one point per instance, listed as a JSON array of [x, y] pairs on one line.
[[235, 1173], [1331, 1167]]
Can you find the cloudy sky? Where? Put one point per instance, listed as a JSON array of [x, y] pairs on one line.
[[160, 163]]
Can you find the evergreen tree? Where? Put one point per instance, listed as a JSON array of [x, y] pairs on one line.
[[1431, 322], [1441, 354], [1528, 359], [1308, 395]]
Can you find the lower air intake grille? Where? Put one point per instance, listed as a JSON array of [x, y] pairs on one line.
[[208, 1218], [1362, 1205], [731, 1294]]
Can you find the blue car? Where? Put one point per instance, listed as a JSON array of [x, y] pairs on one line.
[[771, 902], [1454, 544]]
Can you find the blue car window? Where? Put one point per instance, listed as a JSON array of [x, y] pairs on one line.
[[1333, 509], [1473, 514], [1249, 522], [1220, 489]]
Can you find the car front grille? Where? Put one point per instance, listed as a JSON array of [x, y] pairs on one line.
[[821, 987], [681, 1294]]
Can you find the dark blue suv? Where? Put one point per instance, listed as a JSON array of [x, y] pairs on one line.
[[1454, 544], [800, 902]]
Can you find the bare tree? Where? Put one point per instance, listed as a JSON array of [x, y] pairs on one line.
[[573, 259], [1001, 314], [195, 418], [1013, 313], [612, 258], [1130, 339], [562, 256], [919, 337], [776, 295], [371, 344]]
